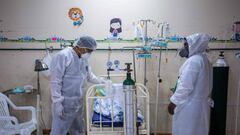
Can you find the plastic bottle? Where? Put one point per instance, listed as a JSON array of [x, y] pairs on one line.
[[166, 31], [108, 88]]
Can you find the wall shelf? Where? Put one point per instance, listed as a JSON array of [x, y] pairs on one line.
[[104, 41], [57, 49]]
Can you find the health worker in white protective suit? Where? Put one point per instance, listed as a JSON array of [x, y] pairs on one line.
[[69, 70], [189, 104]]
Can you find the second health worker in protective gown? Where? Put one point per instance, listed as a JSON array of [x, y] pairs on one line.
[[190, 102], [69, 70]]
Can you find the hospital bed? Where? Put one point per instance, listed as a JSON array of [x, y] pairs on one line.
[[100, 124]]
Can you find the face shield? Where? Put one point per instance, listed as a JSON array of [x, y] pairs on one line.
[[198, 43]]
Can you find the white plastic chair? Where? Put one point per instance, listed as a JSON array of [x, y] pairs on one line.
[[9, 124]]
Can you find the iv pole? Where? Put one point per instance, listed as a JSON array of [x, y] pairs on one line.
[[39, 129], [145, 40], [159, 80], [39, 66]]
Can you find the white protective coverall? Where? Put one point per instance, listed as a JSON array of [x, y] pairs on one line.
[[68, 73], [191, 115]]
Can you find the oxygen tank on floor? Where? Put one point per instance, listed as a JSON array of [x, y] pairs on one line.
[[130, 102], [219, 96]]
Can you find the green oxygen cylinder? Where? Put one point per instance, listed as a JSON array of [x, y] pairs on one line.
[[128, 81], [129, 89]]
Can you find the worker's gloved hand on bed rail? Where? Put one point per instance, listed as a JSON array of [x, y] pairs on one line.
[[103, 80]]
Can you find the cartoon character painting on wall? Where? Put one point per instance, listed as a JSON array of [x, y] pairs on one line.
[[76, 15], [115, 27]]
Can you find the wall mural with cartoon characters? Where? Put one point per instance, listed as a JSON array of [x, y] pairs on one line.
[[76, 15], [115, 28]]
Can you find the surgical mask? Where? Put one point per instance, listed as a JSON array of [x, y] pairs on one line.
[[86, 56]]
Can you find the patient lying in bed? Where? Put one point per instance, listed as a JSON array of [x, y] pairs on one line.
[[106, 109]]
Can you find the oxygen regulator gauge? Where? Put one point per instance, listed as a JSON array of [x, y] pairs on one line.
[[109, 64], [116, 63]]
